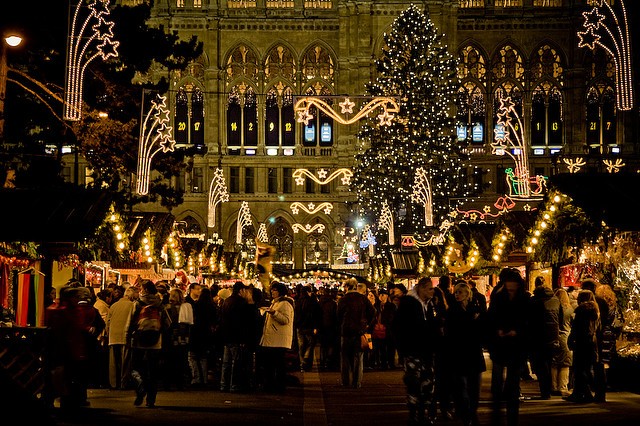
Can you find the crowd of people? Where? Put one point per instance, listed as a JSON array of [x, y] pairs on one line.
[[152, 336]]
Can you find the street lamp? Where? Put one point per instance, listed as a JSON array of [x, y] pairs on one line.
[[11, 40]]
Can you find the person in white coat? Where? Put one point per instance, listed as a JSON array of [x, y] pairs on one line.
[[277, 338]]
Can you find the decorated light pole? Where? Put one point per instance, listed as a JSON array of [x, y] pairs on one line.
[[155, 136], [608, 29], [422, 194], [90, 37], [217, 194]]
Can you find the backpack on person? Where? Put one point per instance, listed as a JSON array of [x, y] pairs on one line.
[[149, 326]]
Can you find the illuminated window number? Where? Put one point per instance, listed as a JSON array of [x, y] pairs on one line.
[[272, 126], [287, 127], [234, 127], [554, 125], [593, 125], [251, 127], [538, 125], [608, 125], [196, 126], [182, 126], [516, 127]]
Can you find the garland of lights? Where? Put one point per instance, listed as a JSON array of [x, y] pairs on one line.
[[217, 194], [322, 179], [244, 220], [500, 242], [79, 45], [318, 227], [311, 208], [117, 224], [618, 44], [386, 222], [519, 181], [543, 223], [388, 105], [155, 136], [422, 194]]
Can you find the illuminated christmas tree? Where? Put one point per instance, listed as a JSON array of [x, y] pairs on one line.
[[416, 68]]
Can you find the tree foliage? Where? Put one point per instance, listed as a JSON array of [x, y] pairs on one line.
[[416, 68]]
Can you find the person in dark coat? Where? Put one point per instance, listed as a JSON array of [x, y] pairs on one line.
[[307, 319], [328, 335], [583, 340], [237, 331], [599, 372], [463, 331], [544, 327], [416, 328], [507, 324], [205, 318], [383, 351], [355, 314]]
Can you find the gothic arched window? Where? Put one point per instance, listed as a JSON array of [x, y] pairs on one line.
[[317, 63], [242, 120], [546, 116], [280, 63], [189, 117], [472, 113], [242, 62], [281, 237], [319, 130], [508, 64], [280, 123]]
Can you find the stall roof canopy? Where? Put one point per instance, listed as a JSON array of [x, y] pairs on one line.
[[610, 197], [50, 215]]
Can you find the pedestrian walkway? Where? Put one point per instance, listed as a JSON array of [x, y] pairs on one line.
[[320, 400]]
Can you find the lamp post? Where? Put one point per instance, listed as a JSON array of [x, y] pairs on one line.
[[13, 41]]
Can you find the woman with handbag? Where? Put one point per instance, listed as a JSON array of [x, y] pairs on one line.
[[383, 350]]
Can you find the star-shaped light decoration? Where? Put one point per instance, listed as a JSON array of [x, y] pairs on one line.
[[99, 8], [167, 143], [345, 179], [593, 18], [328, 208], [300, 180], [453, 214], [385, 118], [588, 38], [322, 174], [304, 117], [108, 48], [311, 206], [527, 208], [486, 209], [103, 28], [473, 217], [347, 106], [294, 208], [506, 107]]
